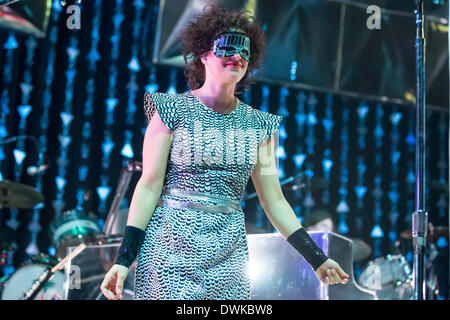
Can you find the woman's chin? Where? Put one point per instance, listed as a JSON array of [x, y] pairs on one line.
[[233, 76]]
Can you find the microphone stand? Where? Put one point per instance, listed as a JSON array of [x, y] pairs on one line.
[[35, 144], [420, 216], [298, 185]]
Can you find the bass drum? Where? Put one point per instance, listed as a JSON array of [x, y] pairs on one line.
[[19, 282]]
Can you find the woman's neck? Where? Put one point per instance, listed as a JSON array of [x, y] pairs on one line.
[[220, 98]]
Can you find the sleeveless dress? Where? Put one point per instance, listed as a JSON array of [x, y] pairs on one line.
[[195, 254]]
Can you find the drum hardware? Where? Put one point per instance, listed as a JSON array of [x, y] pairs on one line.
[[120, 221], [431, 254], [49, 273], [420, 214], [113, 224], [433, 233]]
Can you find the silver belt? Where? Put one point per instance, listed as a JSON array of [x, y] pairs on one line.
[[224, 205]]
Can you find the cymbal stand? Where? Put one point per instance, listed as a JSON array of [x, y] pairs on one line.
[[420, 216]]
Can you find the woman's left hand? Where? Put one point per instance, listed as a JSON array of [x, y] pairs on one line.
[[330, 272]]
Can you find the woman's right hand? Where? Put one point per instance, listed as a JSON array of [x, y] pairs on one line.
[[112, 284]]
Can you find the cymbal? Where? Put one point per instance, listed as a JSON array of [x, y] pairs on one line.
[[360, 249], [433, 233], [17, 195]]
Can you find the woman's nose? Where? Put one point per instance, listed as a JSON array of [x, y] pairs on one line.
[[236, 56]]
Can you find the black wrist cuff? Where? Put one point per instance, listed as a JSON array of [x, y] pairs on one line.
[[132, 240], [303, 243]]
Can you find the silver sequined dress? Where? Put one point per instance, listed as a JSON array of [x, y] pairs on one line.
[[198, 254]]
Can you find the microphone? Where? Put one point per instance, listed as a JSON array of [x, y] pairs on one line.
[[33, 170], [7, 2]]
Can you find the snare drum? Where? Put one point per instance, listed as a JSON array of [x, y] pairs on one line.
[[71, 229], [19, 282]]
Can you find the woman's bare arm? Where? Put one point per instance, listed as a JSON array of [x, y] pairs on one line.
[[280, 213], [267, 185], [155, 154]]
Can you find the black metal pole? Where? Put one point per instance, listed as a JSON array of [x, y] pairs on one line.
[[420, 216], [448, 177]]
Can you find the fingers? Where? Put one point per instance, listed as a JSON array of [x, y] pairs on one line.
[[106, 292], [343, 276], [119, 285], [333, 277], [106, 287], [342, 273], [331, 273], [340, 277]]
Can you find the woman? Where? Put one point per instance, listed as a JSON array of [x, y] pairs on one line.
[[202, 146]]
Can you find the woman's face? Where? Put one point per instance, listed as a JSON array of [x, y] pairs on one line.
[[228, 70]]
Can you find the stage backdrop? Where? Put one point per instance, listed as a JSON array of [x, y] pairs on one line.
[[79, 93]]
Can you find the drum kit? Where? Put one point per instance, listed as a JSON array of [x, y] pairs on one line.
[[41, 278], [389, 276]]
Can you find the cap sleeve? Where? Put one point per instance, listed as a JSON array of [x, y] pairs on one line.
[[165, 104], [268, 124]]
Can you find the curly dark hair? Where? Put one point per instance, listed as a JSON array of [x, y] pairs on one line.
[[198, 36]]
